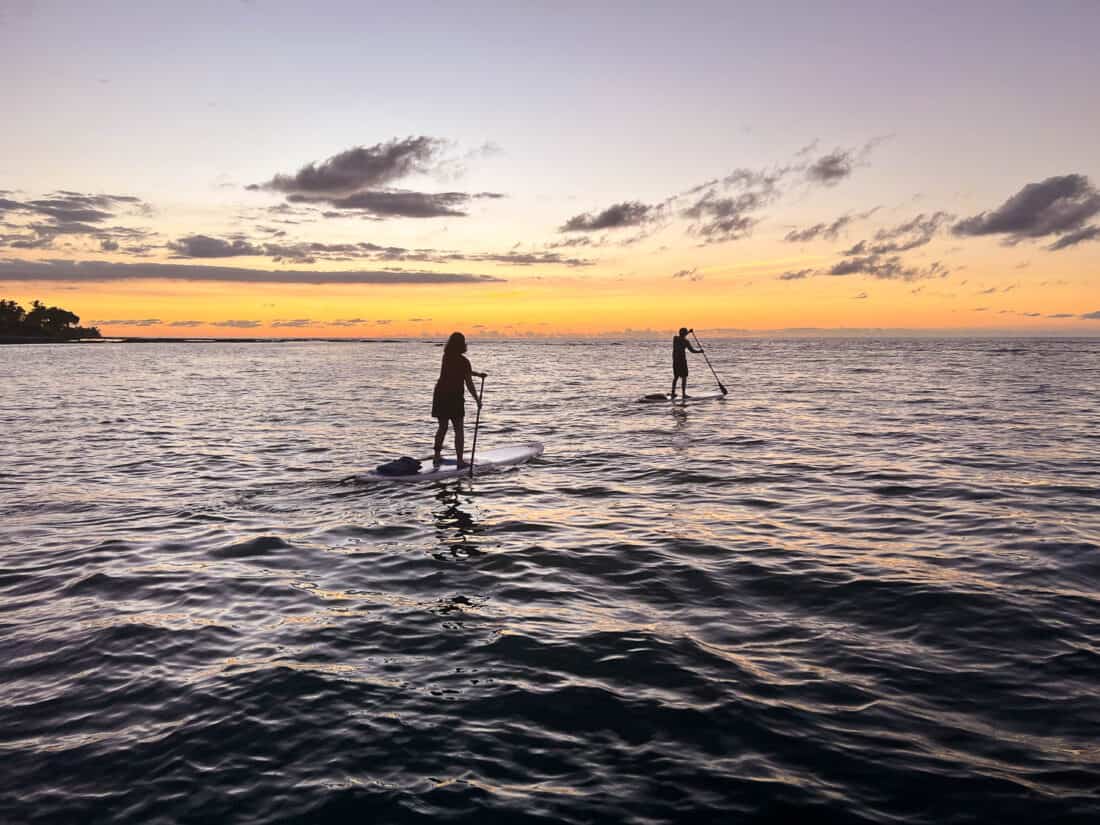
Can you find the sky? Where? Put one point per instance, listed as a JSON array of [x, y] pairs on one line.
[[361, 169]]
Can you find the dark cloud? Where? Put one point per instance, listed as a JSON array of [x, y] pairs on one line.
[[108, 245], [832, 168], [349, 322], [721, 219], [617, 216], [187, 323], [294, 323], [93, 271], [358, 181], [64, 213], [237, 324], [825, 231], [399, 203], [1060, 205], [203, 246], [1092, 316], [1062, 315], [359, 168], [1087, 233], [303, 252], [115, 322], [862, 296], [885, 268], [915, 232], [796, 275]]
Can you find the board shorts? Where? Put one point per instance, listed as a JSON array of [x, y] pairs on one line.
[[449, 406], [680, 370]]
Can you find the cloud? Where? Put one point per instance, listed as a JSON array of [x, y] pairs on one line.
[[295, 322], [617, 216], [915, 232], [70, 213], [399, 203], [1087, 233], [885, 268], [832, 168], [1091, 316], [127, 322], [95, 271], [203, 246], [860, 297], [348, 322], [718, 220], [358, 181], [1062, 315], [237, 324], [358, 168], [796, 275], [187, 323], [825, 231], [689, 274], [1059, 205]]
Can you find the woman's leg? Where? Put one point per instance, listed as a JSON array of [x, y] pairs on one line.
[[459, 439], [439, 434]]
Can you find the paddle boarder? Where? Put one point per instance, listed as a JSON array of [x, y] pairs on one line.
[[448, 400], [680, 347]]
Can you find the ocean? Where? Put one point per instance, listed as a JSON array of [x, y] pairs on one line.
[[861, 588]]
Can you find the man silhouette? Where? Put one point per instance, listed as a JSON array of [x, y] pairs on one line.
[[680, 346]]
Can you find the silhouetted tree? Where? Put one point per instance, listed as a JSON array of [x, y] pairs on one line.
[[11, 318], [42, 321]]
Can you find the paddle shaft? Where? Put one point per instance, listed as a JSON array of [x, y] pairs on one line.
[[477, 423], [716, 378]]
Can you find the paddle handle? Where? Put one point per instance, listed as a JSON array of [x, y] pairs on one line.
[[477, 423], [709, 364]]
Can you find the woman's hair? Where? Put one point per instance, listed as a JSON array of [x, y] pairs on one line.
[[456, 343], [683, 331]]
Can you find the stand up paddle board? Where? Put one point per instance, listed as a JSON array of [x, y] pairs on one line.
[[703, 396], [485, 462]]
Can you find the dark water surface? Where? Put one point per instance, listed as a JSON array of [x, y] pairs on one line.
[[861, 589]]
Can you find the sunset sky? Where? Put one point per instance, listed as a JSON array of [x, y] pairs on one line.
[[358, 169]]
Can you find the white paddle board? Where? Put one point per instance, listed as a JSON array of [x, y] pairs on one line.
[[484, 462], [702, 396]]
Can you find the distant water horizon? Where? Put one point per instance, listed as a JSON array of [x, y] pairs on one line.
[[862, 588]]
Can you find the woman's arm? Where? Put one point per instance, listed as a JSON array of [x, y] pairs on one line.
[[470, 387]]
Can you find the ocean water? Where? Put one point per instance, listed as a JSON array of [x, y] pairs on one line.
[[863, 588]]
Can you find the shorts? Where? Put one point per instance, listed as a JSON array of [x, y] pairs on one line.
[[450, 406], [679, 370]]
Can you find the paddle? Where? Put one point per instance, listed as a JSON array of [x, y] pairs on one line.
[[477, 423], [716, 378]]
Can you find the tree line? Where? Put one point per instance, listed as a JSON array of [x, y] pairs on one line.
[[41, 321]]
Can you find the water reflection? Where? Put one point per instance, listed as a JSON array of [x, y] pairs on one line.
[[456, 530]]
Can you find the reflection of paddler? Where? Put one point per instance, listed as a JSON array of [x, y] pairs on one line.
[[448, 400], [680, 347]]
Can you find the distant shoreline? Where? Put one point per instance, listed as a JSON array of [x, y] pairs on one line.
[[777, 335]]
